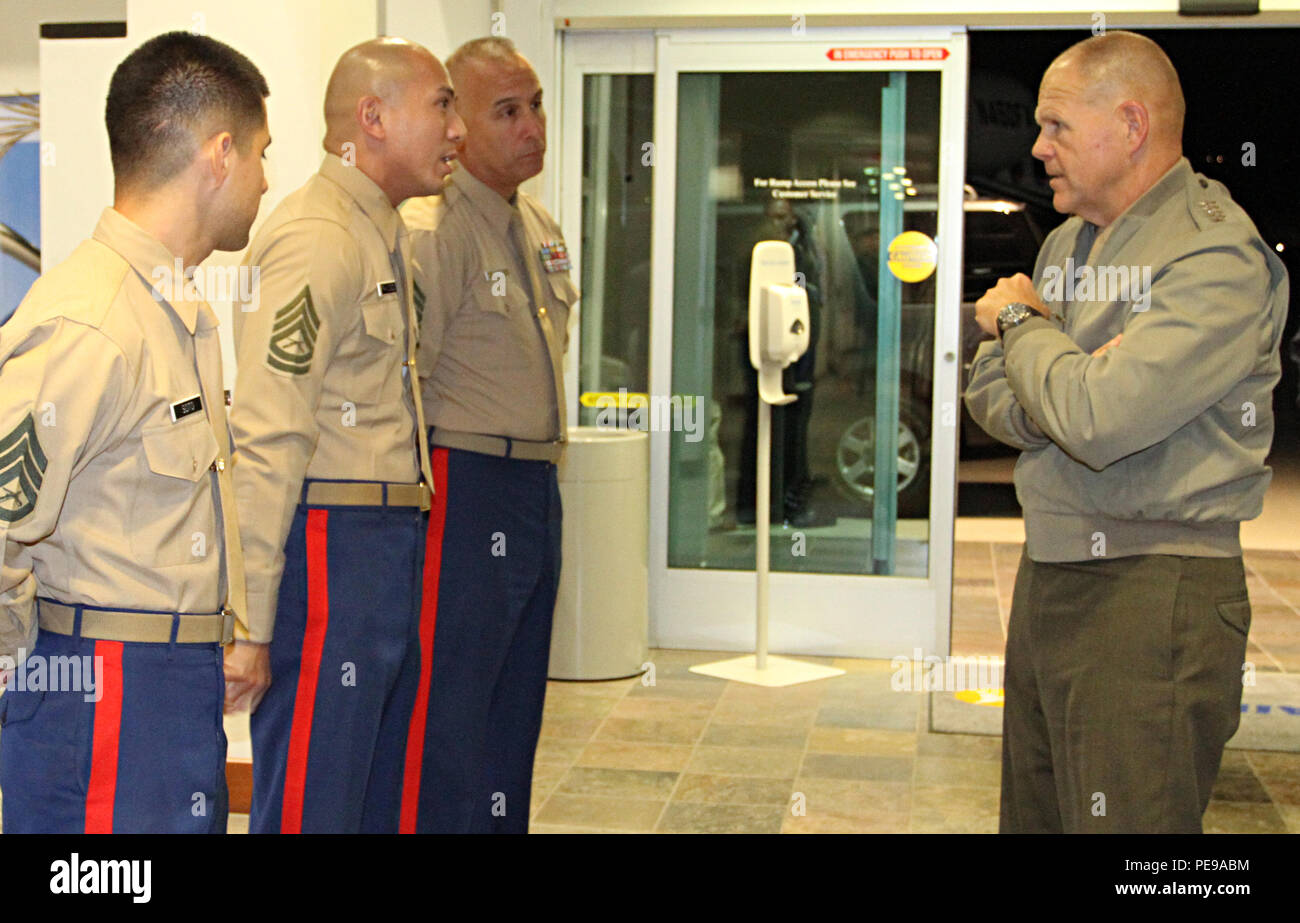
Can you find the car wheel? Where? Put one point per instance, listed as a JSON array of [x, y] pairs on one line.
[[855, 460]]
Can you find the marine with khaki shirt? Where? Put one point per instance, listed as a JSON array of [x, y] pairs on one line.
[[116, 508], [495, 271], [1143, 411], [475, 380], [332, 472]]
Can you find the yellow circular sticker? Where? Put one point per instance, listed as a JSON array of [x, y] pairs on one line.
[[912, 256], [980, 697]]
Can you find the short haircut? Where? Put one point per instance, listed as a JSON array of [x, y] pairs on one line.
[[1120, 64], [169, 93], [491, 48]]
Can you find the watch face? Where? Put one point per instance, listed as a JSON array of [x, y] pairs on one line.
[[1012, 314]]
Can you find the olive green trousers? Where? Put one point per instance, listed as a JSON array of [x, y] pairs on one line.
[[1123, 683]]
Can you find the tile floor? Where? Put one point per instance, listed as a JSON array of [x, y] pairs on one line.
[[694, 754]]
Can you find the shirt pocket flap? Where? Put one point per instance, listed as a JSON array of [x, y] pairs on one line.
[[563, 288], [183, 450], [383, 319]]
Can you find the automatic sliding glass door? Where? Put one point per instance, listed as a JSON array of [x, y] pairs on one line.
[[838, 143], [832, 163]]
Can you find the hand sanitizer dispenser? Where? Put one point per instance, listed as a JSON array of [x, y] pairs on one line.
[[778, 335], [778, 317]]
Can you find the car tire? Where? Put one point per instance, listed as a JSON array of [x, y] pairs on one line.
[[855, 459]]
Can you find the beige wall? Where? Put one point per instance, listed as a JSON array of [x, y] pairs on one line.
[[439, 26], [20, 31]]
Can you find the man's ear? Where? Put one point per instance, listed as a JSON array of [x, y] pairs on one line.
[[370, 117], [216, 156], [1137, 123]]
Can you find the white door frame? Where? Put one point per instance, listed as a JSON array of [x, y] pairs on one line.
[[581, 54], [835, 615]]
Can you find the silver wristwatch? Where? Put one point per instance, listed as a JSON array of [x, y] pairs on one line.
[[1013, 315]]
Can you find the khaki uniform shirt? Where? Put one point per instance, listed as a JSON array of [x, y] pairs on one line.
[[1158, 445], [109, 493], [484, 357], [326, 386]]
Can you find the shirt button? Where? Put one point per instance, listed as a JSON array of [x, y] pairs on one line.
[[218, 465], [541, 312]]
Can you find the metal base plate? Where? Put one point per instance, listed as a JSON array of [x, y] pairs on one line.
[[780, 671]]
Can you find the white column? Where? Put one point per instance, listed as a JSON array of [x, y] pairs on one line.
[[440, 27], [76, 173]]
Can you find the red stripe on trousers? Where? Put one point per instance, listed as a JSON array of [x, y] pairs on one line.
[[313, 644], [102, 790], [428, 620]]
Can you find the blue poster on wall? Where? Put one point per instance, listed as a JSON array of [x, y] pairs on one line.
[[20, 199]]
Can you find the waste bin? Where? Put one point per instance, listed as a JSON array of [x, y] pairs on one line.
[[602, 615]]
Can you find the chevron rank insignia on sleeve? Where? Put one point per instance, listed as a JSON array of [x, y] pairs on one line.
[[293, 338], [419, 303], [22, 469]]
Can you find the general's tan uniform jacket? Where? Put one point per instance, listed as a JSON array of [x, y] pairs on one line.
[[326, 386], [109, 482], [1157, 446], [487, 363]]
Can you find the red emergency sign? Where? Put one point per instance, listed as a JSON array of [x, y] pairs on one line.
[[914, 53]]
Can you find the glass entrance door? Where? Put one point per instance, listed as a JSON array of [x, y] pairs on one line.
[[811, 158], [838, 143]]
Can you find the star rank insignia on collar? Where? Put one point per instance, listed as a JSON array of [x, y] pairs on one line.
[[293, 338], [555, 256], [22, 469], [1212, 208]]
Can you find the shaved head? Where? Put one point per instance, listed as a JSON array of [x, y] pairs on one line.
[[492, 52], [382, 68], [390, 112], [1119, 66]]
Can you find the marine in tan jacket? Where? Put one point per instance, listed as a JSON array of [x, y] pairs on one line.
[[1135, 372]]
